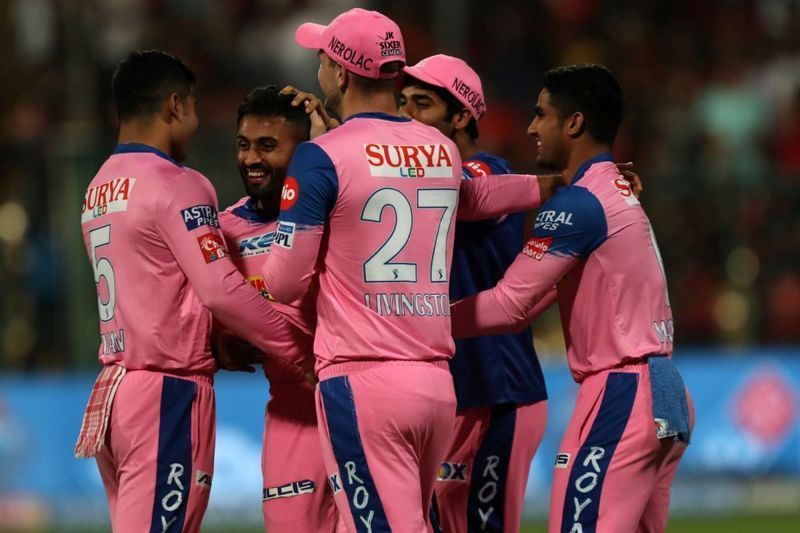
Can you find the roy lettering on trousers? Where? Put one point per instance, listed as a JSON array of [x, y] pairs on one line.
[[173, 500], [586, 485], [489, 490], [359, 499]]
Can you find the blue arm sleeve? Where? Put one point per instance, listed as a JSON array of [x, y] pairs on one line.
[[572, 223], [312, 179]]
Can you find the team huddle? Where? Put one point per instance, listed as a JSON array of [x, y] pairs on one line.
[[375, 231]]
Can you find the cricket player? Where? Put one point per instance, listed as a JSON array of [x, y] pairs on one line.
[[502, 400], [160, 265], [632, 419], [296, 494], [369, 206]]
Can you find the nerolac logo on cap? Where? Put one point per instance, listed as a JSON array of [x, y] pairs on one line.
[[470, 95], [389, 45], [348, 54]]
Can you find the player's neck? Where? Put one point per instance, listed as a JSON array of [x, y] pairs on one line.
[[269, 208], [354, 103], [467, 146], [149, 134], [581, 153]]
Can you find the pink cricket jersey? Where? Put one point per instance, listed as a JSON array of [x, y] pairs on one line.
[[151, 231], [593, 240], [370, 206], [249, 237]]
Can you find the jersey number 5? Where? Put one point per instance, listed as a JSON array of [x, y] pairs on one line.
[[102, 267], [380, 266]]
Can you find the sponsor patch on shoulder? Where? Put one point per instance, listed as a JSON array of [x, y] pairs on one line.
[[289, 193], [284, 236], [200, 215], [477, 168], [212, 247], [537, 247], [562, 460]]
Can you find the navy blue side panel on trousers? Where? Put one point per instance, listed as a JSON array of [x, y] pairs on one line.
[[487, 484], [174, 470], [362, 495], [591, 462], [436, 522]]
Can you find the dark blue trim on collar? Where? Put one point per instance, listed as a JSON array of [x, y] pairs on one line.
[[585, 166], [379, 115], [137, 148], [249, 211]]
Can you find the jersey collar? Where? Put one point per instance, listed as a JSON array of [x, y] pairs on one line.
[[249, 211], [380, 116], [139, 148], [585, 166]]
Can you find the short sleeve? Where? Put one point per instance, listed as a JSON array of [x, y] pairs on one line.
[[311, 187], [572, 223]]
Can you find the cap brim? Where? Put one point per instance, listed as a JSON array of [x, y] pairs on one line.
[[309, 35], [419, 74]]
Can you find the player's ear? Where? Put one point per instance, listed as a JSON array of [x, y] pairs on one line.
[[575, 124], [342, 77], [461, 119], [172, 108]]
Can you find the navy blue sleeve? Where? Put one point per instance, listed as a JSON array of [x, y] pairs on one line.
[[572, 223], [311, 187], [478, 166]]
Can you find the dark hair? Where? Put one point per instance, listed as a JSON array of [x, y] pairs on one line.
[[269, 102], [589, 89], [144, 79], [453, 104]]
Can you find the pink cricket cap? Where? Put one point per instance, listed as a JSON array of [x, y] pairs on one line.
[[455, 76], [359, 40]]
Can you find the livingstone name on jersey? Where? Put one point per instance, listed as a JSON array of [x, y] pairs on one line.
[[408, 304], [109, 197], [402, 161]]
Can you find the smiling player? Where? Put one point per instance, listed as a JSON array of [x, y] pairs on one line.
[[632, 418], [296, 494]]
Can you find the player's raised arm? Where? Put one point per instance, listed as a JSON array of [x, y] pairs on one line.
[[498, 194], [568, 228], [309, 193], [187, 219]]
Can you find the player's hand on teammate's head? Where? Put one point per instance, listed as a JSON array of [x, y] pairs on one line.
[[626, 169], [234, 354], [321, 120]]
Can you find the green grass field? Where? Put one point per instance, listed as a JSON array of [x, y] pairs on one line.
[[777, 523]]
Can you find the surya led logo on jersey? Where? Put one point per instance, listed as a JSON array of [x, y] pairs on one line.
[[400, 161], [110, 197]]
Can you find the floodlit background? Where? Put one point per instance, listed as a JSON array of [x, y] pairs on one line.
[[712, 123]]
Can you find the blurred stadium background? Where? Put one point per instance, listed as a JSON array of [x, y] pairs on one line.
[[712, 122]]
